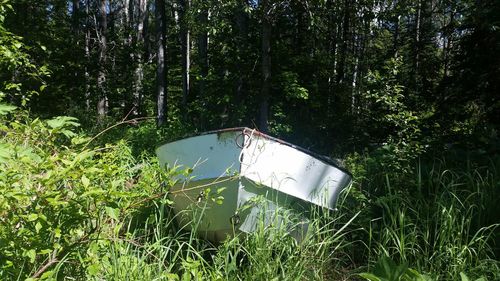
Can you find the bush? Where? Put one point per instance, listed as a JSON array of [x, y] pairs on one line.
[[57, 196]]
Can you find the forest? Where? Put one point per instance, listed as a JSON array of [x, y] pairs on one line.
[[403, 94]]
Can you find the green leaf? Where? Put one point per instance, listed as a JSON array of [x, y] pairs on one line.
[[463, 277], [47, 275], [32, 217], [27, 155], [5, 152], [85, 181], [62, 121], [45, 252], [93, 269], [413, 275], [369, 276], [57, 232], [171, 276], [79, 140], [38, 226], [6, 109], [113, 213], [219, 200], [387, 270], [31, 254]]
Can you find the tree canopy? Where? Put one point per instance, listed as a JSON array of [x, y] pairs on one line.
[[332, 75]]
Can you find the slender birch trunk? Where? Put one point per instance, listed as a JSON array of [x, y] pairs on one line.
[[102, 103], [87, 55], [139, 68]]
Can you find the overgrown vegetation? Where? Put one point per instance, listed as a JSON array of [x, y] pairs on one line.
[[406, 91], [58, 196], [440, 217], [99, 213]]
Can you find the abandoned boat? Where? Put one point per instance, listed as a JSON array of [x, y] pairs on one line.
[[239, 176]]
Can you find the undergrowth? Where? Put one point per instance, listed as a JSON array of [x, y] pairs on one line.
[[58, 196], [441, 218], [72, 208]]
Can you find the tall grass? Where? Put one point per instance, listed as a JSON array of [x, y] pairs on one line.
[[439, 220], [442, 222], [163, 250]]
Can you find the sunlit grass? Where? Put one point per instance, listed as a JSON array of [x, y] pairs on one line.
[[162, 250], [435, 224]]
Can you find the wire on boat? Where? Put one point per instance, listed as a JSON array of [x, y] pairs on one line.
[[246, 143]]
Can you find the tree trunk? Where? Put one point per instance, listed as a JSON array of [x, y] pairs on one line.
[[147, 35], [203, 49], [75, 28], [448, 41], [341, 66], [126, 25], [333, 28], [395, 43], [139, 71], [354, 88], [75, 16], [186, 47], [161, 66], [242, 24], [102, 103], [266, 67], [418, 23], [125, 13], [87, 55]]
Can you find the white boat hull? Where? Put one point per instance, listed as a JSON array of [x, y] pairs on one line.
[[242, 166]]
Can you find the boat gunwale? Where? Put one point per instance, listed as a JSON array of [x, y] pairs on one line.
[[323, 158]]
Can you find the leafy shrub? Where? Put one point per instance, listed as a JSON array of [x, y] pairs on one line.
[[58, 197], [391, 110], [20, 77]]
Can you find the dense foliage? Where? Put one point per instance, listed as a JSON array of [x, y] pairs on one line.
[[58, 197], [341, 74], [97, 213], [406, 92]]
